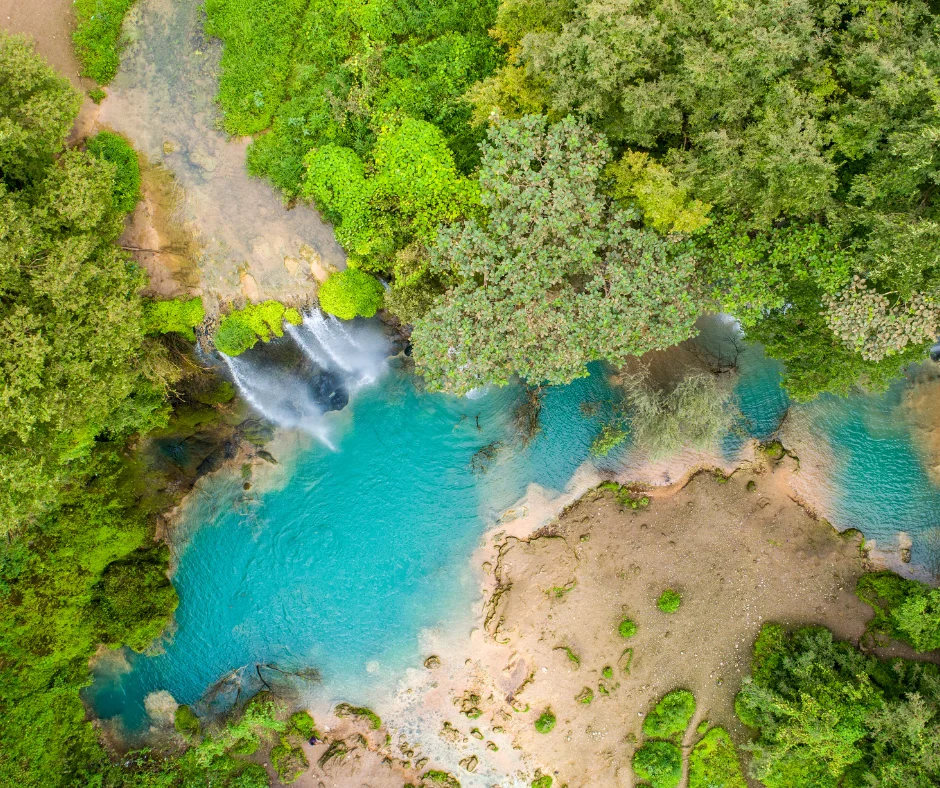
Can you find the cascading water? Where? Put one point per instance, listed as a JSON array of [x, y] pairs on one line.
[[295, 381]]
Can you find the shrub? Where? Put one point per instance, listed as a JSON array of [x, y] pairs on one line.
[[288, 761], [243, 328], [669, 601], [660, 762], [906, 610], [671, 716], [186, 722], [627, 628], [115, 149], [174, 315], [714, 762], [97, 36], [351, 293], [546, 722]]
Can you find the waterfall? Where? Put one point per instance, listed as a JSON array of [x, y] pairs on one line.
[[294, 381]]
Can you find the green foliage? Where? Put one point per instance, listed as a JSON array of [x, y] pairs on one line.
[[37, 109], [351, 293], [241, 329], [437, 777], [671, 716], [288, 761], [97, 36], [542, 781], [115, 149], [714, 762], [186, 722], [344, 710], [174, 315], [830, 716], [609, 438], [301, 723], [133, 599], [669, 601], [546, 721], [906, 610], [556, 277], [659, 762], [627, 628]]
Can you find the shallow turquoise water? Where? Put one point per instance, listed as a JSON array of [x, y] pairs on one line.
[[366, 546], [363, 548]]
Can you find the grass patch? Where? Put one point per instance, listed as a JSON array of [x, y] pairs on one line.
[[669, 601], [714, 762], [546, 721], [97, 37], [671, 716], [659, 762]]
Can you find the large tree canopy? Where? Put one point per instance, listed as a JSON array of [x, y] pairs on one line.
[[556, 275]]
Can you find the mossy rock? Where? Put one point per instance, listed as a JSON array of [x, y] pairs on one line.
[[288, 761], [669, 601], [345, 710], [546, 722], [301, 723], [186, 722], [542, 781], [585, 696], [437, 777]]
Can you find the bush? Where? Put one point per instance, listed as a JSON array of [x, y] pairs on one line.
[[906, 610], [669, 601], [115, 149], [241, 329], [174, 315], [97, 36], [714, 762], [671, 716], [351, 293], [627, 628], [186, 722], [660, 762], [546, 722]]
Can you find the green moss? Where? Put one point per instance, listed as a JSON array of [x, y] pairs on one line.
[[659, 762], [542, 781], [607, 672], [175, 315], [701, 727], [186, 722], [669, 601], [97, 36], [560, 592], [671, 716], [627, 628], [344, 710], [572, 657], [714, 762], [546, 722], [301, 723], [437, 777], [751, 486], [288, 761], [241, 329], [116, 150], [351, 293]]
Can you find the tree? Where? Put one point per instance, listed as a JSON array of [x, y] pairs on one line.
[[555, 276]]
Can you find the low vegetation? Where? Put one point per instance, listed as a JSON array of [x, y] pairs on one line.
[[669, 601], [175, 315], [660, 763], [670, 718], [546, 721], [116, 150], [351, 293], [905, 610], [97, 37], [242, 329]]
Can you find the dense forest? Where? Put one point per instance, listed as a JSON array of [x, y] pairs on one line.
[[776, 160], [542, 184]]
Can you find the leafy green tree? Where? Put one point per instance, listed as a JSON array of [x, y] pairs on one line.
[[659, 762], [907, 610], [351, 293], [555, 276]]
